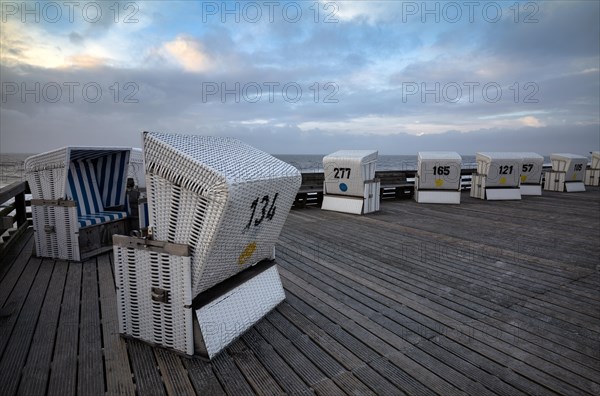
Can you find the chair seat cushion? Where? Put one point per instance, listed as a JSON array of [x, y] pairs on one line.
[[99, 218]]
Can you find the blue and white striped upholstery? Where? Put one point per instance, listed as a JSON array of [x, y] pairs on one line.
[[99, 218], [83, 188], [143, 214], [111, 172]]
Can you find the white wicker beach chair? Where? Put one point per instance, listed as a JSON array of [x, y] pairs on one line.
[[531, 174], [350, 185], [216, 208], [592, 175], [498, 176], [567, 174], [78, 199], [438, 177]]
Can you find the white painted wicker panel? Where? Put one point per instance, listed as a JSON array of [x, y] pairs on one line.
[[596, 160], [46, 244], [572, 164], [47, 180], [554, 181], [238, 241], [592, 177], [67, 233], [226, 318], [136, 167], [167, 324], [338, 203], [346, 171], [56, 232], [372, 190], [437, 197], [477, 186], [574, 187], [531, 189], [447, 170], [198, 162], [502, 194], [531, 169], [217, 211], [501, 169]]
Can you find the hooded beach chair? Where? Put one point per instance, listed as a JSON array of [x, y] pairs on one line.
[[78, 200], [592, 175], [350, 184], [531, 174], [216, 208], [567, 174], [438, 177], [498, 176]]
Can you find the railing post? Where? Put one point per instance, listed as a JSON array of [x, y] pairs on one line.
[[21, 213]]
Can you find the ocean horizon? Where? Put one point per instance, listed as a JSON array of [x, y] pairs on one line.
[[12, 170]]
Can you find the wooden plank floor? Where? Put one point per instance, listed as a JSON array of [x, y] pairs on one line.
[[482, 298]]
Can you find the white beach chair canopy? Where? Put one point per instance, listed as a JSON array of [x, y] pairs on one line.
[[502, 169], [136, 167], [531, 169], [573, 165], [92, 183], [346, 171], [439, 170], [225, 199]]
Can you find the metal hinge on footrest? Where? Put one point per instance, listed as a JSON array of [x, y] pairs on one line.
[[160, 295], [148, 244]]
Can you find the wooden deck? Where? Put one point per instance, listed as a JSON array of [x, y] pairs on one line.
[[481, 298]]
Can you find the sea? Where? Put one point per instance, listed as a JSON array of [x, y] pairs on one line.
[[12, 170]]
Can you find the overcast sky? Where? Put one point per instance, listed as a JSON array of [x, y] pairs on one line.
[[304, 77]]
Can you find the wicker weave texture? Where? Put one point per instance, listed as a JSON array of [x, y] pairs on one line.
[[56, 232], [501, 169], [168, 324], [74, 173], [531, 170], [228, 201], [46, 174], [595, 160], [438, 171], [572, 164], [230, 315], [347, 170], [136, 167]]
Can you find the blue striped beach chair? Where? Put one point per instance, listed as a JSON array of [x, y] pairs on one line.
[[78, 200]]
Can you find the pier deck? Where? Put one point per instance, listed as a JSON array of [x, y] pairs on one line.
[[480, 298]]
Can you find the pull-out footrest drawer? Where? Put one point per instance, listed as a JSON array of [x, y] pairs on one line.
[[156, 305]]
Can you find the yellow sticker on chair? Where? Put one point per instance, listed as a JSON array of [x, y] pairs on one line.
[[247, 253], [503, 180], [523, 178], [439, 182], [574, 176]]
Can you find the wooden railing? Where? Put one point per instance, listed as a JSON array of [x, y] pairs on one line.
[[13, 216]]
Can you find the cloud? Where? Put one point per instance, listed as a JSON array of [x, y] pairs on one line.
[[189, 53], [531, 121], [76, 38], [164, 68], [84, 61], [28, 46]]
